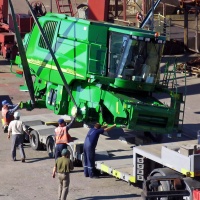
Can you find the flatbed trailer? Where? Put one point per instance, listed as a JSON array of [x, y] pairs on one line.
[[170, 169]]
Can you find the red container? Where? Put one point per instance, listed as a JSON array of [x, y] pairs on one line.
[[98, 10], [196, 194], [7, 38], [3, 11], [7, 45], [24, 23]]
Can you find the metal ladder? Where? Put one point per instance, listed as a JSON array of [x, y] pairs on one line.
[[67, 7], [180, 97]]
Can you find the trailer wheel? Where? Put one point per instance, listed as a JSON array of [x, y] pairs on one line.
[[50, 147], [190, 185], [34, 141], [163, 186], [71, 153]]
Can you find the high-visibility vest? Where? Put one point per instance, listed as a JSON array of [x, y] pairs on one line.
[[6, 120], [61, 135]]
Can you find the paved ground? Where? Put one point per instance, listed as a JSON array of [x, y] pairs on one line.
[[32, 180]]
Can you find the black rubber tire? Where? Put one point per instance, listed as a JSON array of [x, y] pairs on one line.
[[34, 141], [163, 186], [50, 146], [71, 153], [154, 137]]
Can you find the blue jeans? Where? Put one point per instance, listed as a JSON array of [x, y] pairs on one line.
[[17, 141], [89, 159], [58, 150]]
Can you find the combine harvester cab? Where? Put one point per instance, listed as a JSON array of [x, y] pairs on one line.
[[112, 72]]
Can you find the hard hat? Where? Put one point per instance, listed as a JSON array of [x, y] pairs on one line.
[[16, 115], [4, 102], [61, 121]]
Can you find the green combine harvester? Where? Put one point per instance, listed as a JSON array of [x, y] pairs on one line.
[[107, 73]]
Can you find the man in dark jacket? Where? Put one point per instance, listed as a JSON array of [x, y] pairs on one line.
[[89, 148]]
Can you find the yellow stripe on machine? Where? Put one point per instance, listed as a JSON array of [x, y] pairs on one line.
[[46, 65], [117, 107]]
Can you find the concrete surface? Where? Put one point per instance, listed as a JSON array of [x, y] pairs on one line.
[[32, 180]]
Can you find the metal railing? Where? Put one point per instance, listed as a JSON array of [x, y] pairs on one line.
[[162, 25]]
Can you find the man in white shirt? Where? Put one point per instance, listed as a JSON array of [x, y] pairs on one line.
[[17, 128]]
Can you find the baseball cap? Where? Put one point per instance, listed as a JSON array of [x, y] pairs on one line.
[[4, 102], [65, 152], [60, 121]]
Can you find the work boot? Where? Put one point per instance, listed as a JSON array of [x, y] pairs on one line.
[[5, 129], [23, 159], [94, 177]]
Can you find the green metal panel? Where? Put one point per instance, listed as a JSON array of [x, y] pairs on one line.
[[74, 30], [72, 57], [128, 85], [97, 59], [87, 97], [97, 72], [56, 99], [18, 60], [84, 92], [38, 54], [114, 104], [39, 85], [41, 68], [153, 119], [90, 93], [82, 30], [98, 34]]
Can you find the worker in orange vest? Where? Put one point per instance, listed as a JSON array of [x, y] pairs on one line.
[[62, 136], [7, 113]]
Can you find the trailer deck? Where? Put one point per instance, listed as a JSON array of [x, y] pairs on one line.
[[181, 156], [114, 154]]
